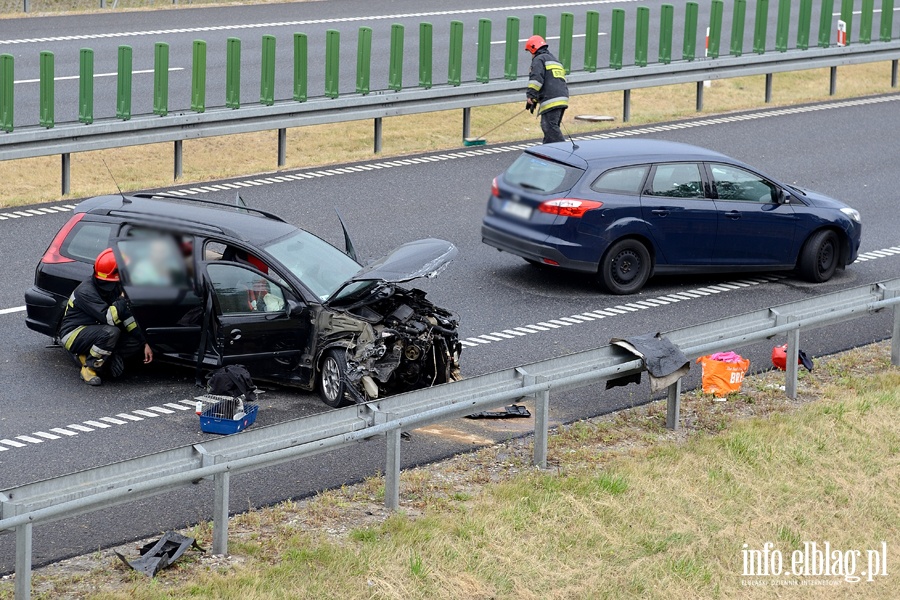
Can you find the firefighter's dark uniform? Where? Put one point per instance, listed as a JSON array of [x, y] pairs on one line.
[[547, 86], [98, 326]]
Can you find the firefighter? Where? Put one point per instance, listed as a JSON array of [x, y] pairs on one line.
[[547, 89], [98, 327]]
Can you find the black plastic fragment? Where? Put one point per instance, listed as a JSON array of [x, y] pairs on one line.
[[508, 412], [159, 554]]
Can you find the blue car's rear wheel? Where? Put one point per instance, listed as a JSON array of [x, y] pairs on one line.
[[819, 257], [625, 267]]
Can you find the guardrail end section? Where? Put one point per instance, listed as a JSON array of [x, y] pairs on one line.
[[7, 67]]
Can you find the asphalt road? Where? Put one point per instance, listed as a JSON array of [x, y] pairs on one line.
[[839, 148], [25, 38]]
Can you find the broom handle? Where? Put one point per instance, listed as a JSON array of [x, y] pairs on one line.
[[480, 137]]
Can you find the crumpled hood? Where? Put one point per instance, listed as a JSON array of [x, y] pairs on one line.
[[422, 258]]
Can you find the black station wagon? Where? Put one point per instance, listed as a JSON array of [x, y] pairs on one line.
[[211, 283]]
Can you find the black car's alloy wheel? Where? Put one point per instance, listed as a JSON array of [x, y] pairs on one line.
[[332, 378], [625, 267], [819, 257]]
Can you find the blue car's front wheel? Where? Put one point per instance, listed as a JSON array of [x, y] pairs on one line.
[[625, 267]]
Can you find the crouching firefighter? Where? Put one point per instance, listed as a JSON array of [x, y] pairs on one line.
[[98, 327], [547, 89]]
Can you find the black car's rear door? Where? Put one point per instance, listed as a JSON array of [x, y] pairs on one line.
[[258, 323], [157, 282]]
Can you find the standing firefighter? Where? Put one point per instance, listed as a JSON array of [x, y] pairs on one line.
[[98, 327], [547, 89]]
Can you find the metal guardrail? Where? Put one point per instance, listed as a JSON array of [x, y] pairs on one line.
[[45, 501]]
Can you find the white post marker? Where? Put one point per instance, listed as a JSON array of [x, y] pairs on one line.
[[841, 33], [706, 83]]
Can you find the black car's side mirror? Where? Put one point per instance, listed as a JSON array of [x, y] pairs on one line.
[[294, 308]]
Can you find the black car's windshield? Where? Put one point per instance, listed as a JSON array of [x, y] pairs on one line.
[[319, 265]]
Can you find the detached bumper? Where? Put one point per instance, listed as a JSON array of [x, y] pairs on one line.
[[44, 311], [532, 250]]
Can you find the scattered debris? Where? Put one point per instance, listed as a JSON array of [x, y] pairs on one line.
[[508, 412], [157, 555]]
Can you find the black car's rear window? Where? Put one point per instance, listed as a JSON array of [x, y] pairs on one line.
[[87, 240], [540, 175]]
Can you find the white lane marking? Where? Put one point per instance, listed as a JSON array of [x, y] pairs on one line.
[[130, 417], [237, 26], [160, 410], [549, 37], [78, 427], [12, 443], [63, 431], [97, 424], [14, 309], [3, 448], [96, 75], [145, 413], [112, 420], [46, 436], [176, 406], [29, 439]]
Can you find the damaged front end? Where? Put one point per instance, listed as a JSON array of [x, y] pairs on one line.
[[400, 340]]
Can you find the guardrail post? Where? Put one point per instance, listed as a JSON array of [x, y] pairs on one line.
[[483, 65], [179, 159], [832, 81], [847, 17], [699, 102], [198, 77], [47, 89], [895, 338], [378, 135], [364, 60], [887, 20], [761, 26], [454, 68], [267, 71], [332, 63], [539, 26], [642, 36], [825, 20], [66, 173], [541, 427], [803, 24], [737, 27], [715, 27], [783, 25], [666, 22], [768, 87], [161, 79], [123, 89], [591, 40], [689, 47], [392, 470], [616, 38], [511, 62], [566, 27], [7, 91], [467, 122], [673, 405], [282, 146], [865, 21], [23, 561], [86, 86], [626, 106], [395, 77], [793, 354], [300, 67], [425, 54], [220, 512], [233, 72], [893, 74]]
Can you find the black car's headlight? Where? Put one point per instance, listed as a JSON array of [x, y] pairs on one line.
[[852, 213]]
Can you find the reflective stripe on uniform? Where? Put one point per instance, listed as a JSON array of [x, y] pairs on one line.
[[70, 337], [112, 316], [535, 85], [553, 103], [98, 352], [130, 324]]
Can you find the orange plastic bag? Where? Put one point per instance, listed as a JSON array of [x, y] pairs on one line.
[[722, 378]]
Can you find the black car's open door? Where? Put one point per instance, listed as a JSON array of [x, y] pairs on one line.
[[158, 282]]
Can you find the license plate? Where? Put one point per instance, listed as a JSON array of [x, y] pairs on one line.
[[517, 209]]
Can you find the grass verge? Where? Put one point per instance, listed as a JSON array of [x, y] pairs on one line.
[[628, 509], [36, 180]]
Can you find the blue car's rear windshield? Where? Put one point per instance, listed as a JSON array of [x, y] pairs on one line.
[[540, 175]]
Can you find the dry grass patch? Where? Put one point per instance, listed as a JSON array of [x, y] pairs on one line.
[[627, 509], [36, 180]]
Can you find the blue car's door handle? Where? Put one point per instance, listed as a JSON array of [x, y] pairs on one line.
[[733, 214], [660, 212]]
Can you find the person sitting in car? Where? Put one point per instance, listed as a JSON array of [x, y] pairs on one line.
[[98, 327]]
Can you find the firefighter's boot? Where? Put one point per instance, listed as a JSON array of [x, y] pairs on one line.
[[88, 375]]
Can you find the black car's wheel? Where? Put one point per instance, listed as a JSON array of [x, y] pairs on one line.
[[819, 257], [332, 378], [625, 267]]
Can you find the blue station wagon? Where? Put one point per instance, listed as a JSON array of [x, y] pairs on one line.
[[624, 210]]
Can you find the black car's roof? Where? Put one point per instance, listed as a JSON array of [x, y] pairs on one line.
[[620, 152], [192, 216]]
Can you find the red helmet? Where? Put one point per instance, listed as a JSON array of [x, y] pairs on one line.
[[105, 267], [535, 43]]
